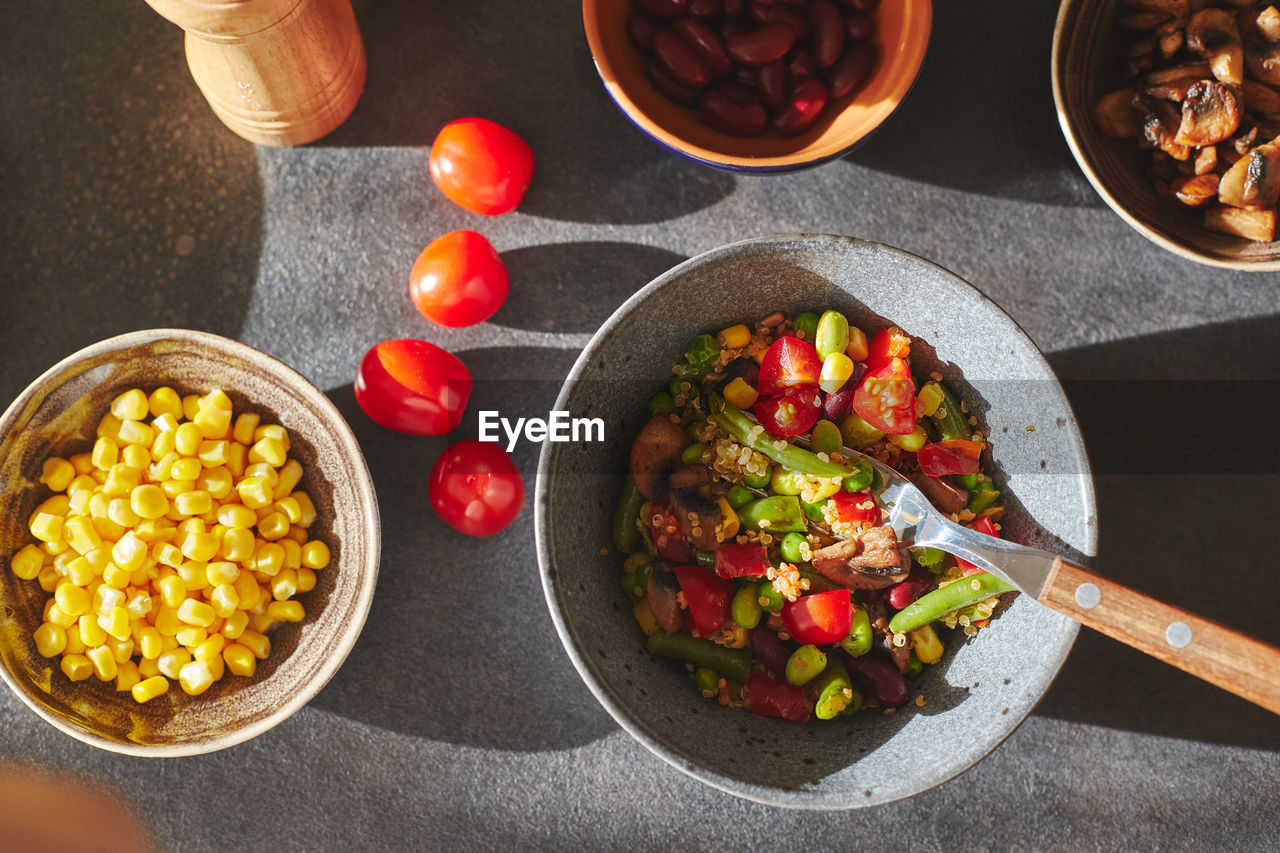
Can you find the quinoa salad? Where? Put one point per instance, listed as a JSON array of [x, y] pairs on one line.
[[757, 553]]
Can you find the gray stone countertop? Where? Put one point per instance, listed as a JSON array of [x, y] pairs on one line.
[[458, 721]]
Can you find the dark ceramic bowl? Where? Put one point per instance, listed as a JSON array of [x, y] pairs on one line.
[[1087, 56], [57, 415], [983, 687], [901, 40]]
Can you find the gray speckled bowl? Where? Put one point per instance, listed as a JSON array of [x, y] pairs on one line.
[[983, 687], [58, 413]]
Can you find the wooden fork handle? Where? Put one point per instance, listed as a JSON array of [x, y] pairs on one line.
[[1230, 660]]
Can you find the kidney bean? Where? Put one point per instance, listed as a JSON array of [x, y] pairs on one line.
[[902, 594], [770, 11], [737, 91], [761, 46], [828, 32], [837, 404], [640, 29], [679, 60], [734, 8], [727, 114], [773, 697], [801, 66], [663, 8], [669, 87], [852, 70], [771, 83], [733, 27], [771, 650], [863, 5], [705, 43], [858, 25], [880, 676], [802, 108], [704, 8]]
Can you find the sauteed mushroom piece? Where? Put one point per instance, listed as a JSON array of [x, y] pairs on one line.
[[1254, 180], [1195, 190], [1213, 34], [1268, 23], [1160, 126], [1210, 113], [1257, 225], [1115, 116], [655, 455]]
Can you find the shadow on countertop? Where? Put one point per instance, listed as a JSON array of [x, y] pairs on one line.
[[1184, 440]]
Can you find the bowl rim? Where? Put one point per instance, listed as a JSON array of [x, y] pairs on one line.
[[767, 795], [906, 71], [1056, 72], [358, 472]]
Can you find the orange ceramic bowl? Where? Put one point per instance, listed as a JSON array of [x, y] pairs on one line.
[[901, 38]]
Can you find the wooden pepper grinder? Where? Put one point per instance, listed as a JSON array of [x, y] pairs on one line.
[[277, 72]]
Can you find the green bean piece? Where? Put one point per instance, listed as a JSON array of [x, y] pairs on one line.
[[769, 598], [813, 511], [745, 609], [734, 664], [693, 454], [835, 690], [626, 535], [804, 664], [968, 481], [914, 667], [740, 496], [662, 403], [740, 427], [791, 547], [946, 600], [758, 481], [949, 419], [928, 557], [826, 437], [862, 478], [806, 323], [857, 433], [706, 679], [703, 350], [776, 514], [982, 497], [832, 334], [858, 643], [706, 559]]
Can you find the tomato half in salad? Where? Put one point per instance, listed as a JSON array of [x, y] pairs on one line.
[[886, 399]]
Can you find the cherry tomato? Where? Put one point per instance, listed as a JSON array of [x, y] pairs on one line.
[[953, 456], [708, 598], [983, 524], [886, 399], [481, 166], [772, 697], [476, 488], [820, 618], [788, 363], [886, 344], [741, 561], [666, 535], [458, 280], [856, 507], [791, 413], [413, 386]]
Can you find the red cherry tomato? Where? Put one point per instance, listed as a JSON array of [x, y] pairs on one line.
[[820, 618], [413, 386], [481, 166], [791, 413], [666, 535], [886, 399], [476, 488], [983, 524], [772, 697], [708, 598], [886, 344], [953, 456], [788, 363], [458, 280], [741, 561], [856, 507]]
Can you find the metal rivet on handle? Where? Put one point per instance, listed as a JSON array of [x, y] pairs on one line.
[[1088, 595], [1178, 634]]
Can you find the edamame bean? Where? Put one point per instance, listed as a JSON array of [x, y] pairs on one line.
[[858, 643], [791, 547], [835, 691], [740, 496], [832, 334], [776, 514], [826, 437], [706, 679], [662, 404], [758, 481], [862, 478], [804, 664], [693, 454], [745, 609], [806, 325], [769, 598]]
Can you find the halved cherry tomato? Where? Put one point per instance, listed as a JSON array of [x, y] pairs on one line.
[[789, 363], [476, 488], [983, 524], [856, 507], [772, 697], [791, 413], [741, 561], [952, 456], [708, 598], [666, 535], [886, 399], [886, 344], [481, 166], [458, 280], [820, 618], [413, 386]]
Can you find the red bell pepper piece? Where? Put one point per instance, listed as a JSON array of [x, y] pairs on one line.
[[707, 597], [772, 697], [983, 524], [741, 561], [856, 507], [953, 456], [666, 535], [820, 618]]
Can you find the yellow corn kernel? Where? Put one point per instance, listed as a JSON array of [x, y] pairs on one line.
[[149, 643], [836, 370], [57, 473], [164, 401], [740, 393], [224, 599], [81, 572], [28, 562], [190, 405], [857, 348], [244, 428], [187, 440], [195, 612], [126, 676], [910, 443], [237, 458], [237, 516], [149, 688], [248, 593], [213, 422], [315, 554], [193, 574], [148, 668], [103, 661], [139, 603], [76, 667], [195, 502], [211, 648], [306, 580], [237, 545], [82, 462], [185, 468], [166, 621], [284, 585], [46, 526], [54, 548], [217, 398], [256, 642], [191, 636], [254, 492], [173, 488], [149, 501], [116, 624], [289, 477], [735, 337], [195, 678], [60, 617], [168, 643], [132, 432], [286, 611], [297, 534], [171, 661], [105, 453], [121, 512], [136, 456], [122, 649], [275, 431], [268, 450], [930, 398], [308, 508], [292, 554], [926, 645], [116, 576], [289, 508], [164, 443], [72, 599], [234, 625], [79, 499], [274, 526], [157, 530], [51, 639], [167, 554], [166, 423], [240, 660], [75, 643], [105, 599], [221, 572], [121, 481], [158, 471], [268, 558], [98, 504], [216, 481], [644, 617], [200, 547]]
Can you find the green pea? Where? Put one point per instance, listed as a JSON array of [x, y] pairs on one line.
[[914, 667], [862, 478], [858, 433], [746, 608], [703, 350], [706, 559], [826, 437], [662, 403], [769, 598], [804, 664], [791, 547], [635, 581], [832, 334], [740, 496], [858, 643], [806, 325], [758, 481], [693, 454], [928, 557], [706, 679]]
